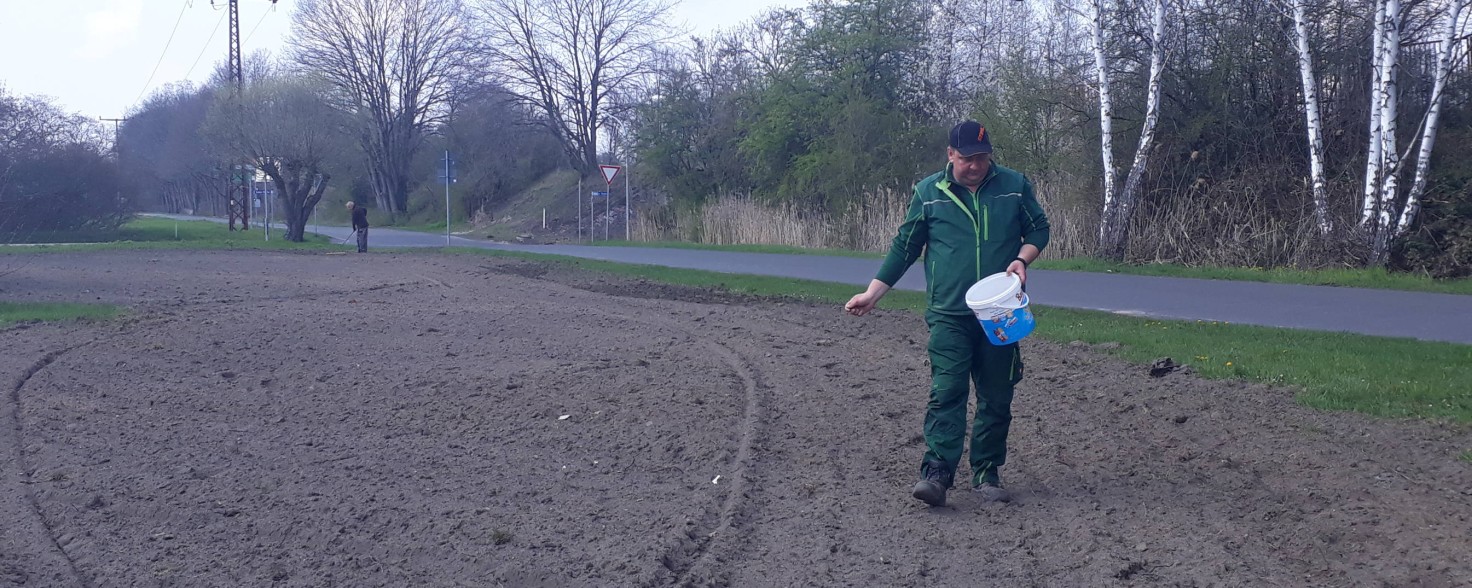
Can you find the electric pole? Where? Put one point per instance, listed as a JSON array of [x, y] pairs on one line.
[[117, 150], [116, 133], [238, 192]]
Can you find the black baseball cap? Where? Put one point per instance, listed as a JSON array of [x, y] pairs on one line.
[[969, 138]]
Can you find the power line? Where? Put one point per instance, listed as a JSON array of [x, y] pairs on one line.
[[164, 54], [206, 45], [252, 32]]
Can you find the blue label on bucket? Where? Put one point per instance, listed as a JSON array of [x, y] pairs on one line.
[[1004, 326]]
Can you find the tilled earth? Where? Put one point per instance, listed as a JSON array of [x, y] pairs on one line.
[[280, 419]]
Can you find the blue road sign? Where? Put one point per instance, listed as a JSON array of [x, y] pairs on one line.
[[600, 194]]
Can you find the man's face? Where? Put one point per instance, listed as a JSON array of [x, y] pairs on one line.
[[969, 171]]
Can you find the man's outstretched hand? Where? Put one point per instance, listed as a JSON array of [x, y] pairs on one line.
[[861, 304], [864, 302]]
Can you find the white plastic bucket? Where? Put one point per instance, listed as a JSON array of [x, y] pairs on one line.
[[1001, 306]]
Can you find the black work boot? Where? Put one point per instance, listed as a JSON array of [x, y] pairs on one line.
[[935, 480]]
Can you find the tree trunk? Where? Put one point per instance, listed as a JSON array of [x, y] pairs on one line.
[[1107, 224], [1444, 53], [300, 190], [1389, 109], [1374, 163], [1115, 248], [1313, 120]]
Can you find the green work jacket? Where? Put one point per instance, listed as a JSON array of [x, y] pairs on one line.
[[964, 235]]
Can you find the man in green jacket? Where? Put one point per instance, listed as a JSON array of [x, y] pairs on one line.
[[970, 220]]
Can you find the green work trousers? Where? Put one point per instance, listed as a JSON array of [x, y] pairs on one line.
[[960, 355]]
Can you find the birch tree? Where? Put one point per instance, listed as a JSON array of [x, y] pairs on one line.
[[1383, 160], [1115, 220], [1097, 17], [1313, 121], [1445, 50]]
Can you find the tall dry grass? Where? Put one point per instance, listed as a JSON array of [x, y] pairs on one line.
[[1239, 223], [865, 225], [1233, 223], [868, 224]]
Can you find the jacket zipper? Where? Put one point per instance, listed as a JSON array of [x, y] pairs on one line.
[[977, 229]]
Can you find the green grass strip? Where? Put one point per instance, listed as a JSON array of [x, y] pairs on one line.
[[782, 249], [1377, 278], [1381, 376], [19, 312], [162, 233]]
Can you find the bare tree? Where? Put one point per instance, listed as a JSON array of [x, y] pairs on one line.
[[1098, 17], [569, 59], [285, 129], [55, 170], [163, 155], [1382, 166], [1445, 50], [392, 63], [1311, 115]]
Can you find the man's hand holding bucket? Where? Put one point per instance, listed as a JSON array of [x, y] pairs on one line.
[[1025, 257]]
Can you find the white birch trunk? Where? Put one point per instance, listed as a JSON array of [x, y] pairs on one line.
[[1389, 109], [1132, 182], [1373, 162], [1444, 53], [1311, 113], [1106, 118]]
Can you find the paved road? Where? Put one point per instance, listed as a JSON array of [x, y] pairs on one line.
[[1419, 315]]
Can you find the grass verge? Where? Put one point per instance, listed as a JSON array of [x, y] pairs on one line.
[[19, 312], [1381, 376], [161, 233], [783, 249], [1377, 278]]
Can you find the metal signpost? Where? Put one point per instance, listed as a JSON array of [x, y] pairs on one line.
[[593, 198], [448, 177], [609, 173]]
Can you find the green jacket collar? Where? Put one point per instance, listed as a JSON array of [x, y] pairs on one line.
[[949, 179]]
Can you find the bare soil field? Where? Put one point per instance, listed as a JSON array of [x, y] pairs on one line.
[[283, 419]]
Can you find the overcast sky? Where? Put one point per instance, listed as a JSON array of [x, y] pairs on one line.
[[98, 57]]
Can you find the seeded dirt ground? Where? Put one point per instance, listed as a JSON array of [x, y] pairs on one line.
[[283, 419]]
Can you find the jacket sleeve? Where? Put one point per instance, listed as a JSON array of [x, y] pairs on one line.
[[907, 245], [1034, 221]]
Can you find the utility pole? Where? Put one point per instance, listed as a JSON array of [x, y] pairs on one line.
[[116, 130], [117, 151], [239, 197], [449, 178]]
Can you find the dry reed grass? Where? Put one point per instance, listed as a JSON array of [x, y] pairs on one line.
[[1230, 224]]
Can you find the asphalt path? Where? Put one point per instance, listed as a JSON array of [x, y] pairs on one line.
[[1390, 313]]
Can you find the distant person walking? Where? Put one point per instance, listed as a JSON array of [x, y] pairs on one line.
[[970, 220], [360, 225]]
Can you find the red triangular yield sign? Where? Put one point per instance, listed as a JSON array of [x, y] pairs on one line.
[[609, 172]]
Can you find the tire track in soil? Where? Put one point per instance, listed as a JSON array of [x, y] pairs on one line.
[[696, 564], [695, 555], [64, 544]]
